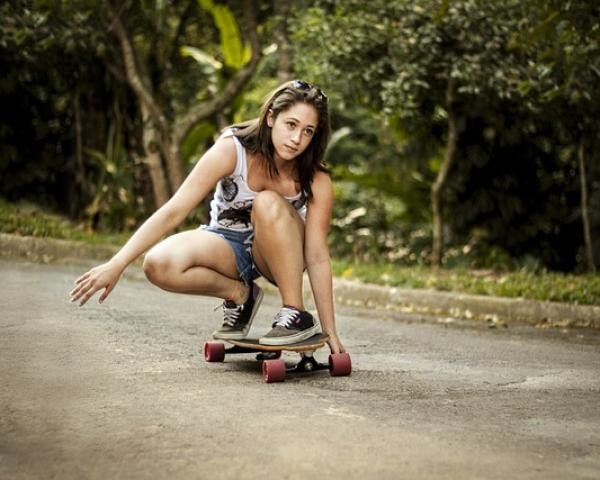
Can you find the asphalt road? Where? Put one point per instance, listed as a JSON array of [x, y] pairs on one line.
[[122, 391]]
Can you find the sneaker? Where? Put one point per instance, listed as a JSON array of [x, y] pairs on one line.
[[290, 326], [238, 318]]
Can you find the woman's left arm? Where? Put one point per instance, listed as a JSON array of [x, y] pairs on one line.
[[316, 256]]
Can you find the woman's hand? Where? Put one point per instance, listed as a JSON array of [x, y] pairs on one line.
[[103, 276], [335, 345]]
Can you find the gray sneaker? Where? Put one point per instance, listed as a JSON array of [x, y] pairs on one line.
[[290, 326], [238, 318]]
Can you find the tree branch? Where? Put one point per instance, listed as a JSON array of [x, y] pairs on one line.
[[284, 54], [133, 76], [183, 21], [233, 87], [437, 188], [584, 209]]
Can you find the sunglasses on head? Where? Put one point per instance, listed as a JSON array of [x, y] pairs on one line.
[[305, 86]]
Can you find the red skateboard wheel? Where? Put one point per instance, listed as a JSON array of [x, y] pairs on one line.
[[273, 370], [340, 364], [214, 351]]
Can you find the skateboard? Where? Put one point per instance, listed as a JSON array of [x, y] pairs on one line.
[[274, 368]]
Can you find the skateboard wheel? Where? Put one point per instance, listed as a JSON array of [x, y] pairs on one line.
[[273, 370], [340, 364], [214, 351]]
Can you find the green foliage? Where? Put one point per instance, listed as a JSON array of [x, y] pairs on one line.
[[513, 192], [527, 92], [65, 84], [197, 140], [525, 82], [368, 227], [235, 53], [62, 109], [51, 54], [209, 63], [115, 205]]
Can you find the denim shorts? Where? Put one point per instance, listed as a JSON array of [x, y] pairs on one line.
[[241, 243]]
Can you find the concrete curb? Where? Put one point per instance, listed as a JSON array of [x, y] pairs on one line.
[[496, 311], [493, 310]]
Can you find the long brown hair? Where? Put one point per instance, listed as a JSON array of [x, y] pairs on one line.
[[255, 135]]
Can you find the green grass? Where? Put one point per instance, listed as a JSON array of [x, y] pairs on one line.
[[28, 219], [577, 289]]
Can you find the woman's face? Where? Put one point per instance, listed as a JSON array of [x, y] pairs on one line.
[[293, 130]]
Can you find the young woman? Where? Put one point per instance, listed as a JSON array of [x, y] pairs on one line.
[[269, 217]]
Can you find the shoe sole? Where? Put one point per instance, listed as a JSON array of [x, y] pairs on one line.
[[244, 333], [289, 339]]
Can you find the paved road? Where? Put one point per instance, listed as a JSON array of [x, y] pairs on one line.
[[121, 391]]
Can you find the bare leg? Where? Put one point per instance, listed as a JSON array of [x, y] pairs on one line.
[[278, 248], [196, 262]]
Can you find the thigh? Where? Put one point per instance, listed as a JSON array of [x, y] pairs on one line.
[[292, 232], [196, 248]]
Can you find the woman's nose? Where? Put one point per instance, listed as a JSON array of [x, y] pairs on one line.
[[296, 136]]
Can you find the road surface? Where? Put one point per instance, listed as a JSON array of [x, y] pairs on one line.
[[121, 391]]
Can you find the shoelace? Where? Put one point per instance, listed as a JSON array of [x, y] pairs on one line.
[[231, 314], [285, 317]]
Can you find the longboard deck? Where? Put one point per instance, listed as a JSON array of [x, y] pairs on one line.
[[316, 341]]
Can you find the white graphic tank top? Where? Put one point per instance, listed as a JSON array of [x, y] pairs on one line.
[[231, 205]]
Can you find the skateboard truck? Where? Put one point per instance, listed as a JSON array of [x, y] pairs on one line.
[[308, 363]]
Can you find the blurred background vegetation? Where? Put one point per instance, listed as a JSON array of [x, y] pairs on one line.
[[465, 131]]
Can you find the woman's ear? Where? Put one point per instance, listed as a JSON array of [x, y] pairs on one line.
[[270, 119]]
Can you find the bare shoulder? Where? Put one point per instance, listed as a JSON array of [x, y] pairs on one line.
[[224, 147], [225, 143], [220, 158]]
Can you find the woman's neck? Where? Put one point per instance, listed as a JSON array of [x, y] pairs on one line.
[[285, 167]]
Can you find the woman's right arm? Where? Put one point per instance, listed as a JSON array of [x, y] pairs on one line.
[[216, 163]]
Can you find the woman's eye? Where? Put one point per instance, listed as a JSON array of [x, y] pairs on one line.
[[309, 132], [291, 125]]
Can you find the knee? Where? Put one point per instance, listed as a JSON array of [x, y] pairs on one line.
[[269, 207], [155, 267]]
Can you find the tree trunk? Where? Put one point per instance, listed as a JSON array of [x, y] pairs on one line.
[[154, 121], [437, 189], [153, 160], [584, 209], [284, 50], [161, 141], [80, 182]]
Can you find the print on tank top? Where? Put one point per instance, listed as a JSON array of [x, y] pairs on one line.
[[231, 206]]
